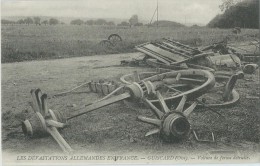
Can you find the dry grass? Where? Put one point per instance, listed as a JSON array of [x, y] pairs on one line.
[[22, 42]]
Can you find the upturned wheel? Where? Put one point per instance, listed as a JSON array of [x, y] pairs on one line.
[[173, 85]]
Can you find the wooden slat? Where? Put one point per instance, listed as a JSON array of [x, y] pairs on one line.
[[173, 51], [154, 56], [165, 53], [180, 44], [100, 104], [177, 48]]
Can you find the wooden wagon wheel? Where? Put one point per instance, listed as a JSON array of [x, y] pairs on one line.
[[192, 83], [171, 124], [228, 97], [114, 38], [46, 121], [105, 44]]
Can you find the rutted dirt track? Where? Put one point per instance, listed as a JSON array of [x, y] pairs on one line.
[[112, 129]]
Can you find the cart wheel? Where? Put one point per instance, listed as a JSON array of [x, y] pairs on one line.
[[105, 44], [114, 38]]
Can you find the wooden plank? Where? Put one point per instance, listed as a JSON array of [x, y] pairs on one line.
[[100, 104], [153, 55], [165, 47], [193, 58], [156, 53], [180, 44], [165, 53], [177, 48]]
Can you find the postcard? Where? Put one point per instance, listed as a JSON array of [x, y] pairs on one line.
[[130, 82]]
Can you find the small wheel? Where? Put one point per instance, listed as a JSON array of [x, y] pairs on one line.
[[105, 43], [114, 38]]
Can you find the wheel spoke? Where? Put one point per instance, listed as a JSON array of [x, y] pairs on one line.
[[153, 131], [38, 94], [193, 80], [178, 76], [172, 88], [136, 76], [151, 121], [157, 112], [44, 104], [162, 102], [190, 109], [35, 105], [181, 104]]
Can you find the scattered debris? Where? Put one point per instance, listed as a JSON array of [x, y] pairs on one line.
[[184, 75], [136, 91]]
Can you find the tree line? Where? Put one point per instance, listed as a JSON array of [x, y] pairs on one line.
[[243, 14], [133, 21], [34, 20]]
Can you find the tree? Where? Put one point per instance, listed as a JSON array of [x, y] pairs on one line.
[[3, 21], [242, 14], [21, 21], [77, 22], [89, 22], [53, 21], [37, 20], [100, 22], [28, 20], [133, 20], [111, 23], [45, 22]]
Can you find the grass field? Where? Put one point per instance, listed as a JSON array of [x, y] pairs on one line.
[[23, 42]]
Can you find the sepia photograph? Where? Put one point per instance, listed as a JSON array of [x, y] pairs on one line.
[[87, 82]]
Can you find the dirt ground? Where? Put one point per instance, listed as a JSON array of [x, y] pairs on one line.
[[114, 129]]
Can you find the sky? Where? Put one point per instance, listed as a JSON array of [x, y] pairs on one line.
[[183, 11]]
